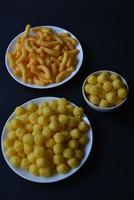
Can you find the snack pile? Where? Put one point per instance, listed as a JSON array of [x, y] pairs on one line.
[[46, 138], [42, 56], [105, 89]]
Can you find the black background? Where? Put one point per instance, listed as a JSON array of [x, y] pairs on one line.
[[106, 32]]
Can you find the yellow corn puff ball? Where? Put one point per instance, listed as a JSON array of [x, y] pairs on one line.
[[47, 111], [94, 99], [68, 153], [83, 126], [95, 90], [88, 88], [32, 107], [61, 109], [39, 151], [75, 133], [10, 152], [25, 164], [114, 77], [8, 142], [20, 132], [62, 102], [107, 86], [42, 162], [39, 139], [59, 137], [18, 146], [19, 111], [28, 139], [73, 144], [79, 154], [72, 162], [33, 169], [117, 84], [58, 159], [29, 127], [49, 143], [15, 161], [63, 119], [122, 93], [92, 79], [103, 77], [47, 132], [104, 103], [12, 135], [62, 168], [31, 157], [28, 149], [78, 112], [45, 171], [15, 123], [53, 105], [54, 126], [58, 148], [33, 117], [42, 120], [83, 140], [110, 97]]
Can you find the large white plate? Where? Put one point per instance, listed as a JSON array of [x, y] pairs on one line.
[[57, 30], [54, 178]]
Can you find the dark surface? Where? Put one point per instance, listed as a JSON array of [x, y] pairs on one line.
[[105, 30]]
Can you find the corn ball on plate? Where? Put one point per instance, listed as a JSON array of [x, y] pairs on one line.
[[46, 139], [105, 90], [42, 69]]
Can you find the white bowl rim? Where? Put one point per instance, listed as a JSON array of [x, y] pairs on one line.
[[45, 179], [97, 108], [53, 85]]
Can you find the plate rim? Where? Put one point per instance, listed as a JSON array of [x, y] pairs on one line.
[[45, 179], [53, 85]]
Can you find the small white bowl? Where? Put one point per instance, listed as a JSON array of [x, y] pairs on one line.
[[57, 177], [97, 107], [57, 30]]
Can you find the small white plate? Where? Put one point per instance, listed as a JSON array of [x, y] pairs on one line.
[[56, 177], [57, 30]]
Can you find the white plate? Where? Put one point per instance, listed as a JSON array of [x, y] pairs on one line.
[[57, 30], [56, 177]]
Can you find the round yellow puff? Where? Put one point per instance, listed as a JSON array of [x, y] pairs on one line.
[[49, 143], [117, 84], [31, 157], [28, 149], [20, 132], [18, 146], [53, 105], [23, 119], [73, 122], [70, 108], [111, 97], [42, 120], [95, 90], [58, 159], [122, 93], [12, 135], [54, 126], [83, 126], [19, 111], [114, 77], [39, 151], [107, 86], [15, 123], [72, 162], [47, 132], [8, 142], [28, 139], [61, 109], [42, 162], [104, 76], [62, 168], [59, 137], [62, 102], [104, 103], [75, 133], [47, 112], [58, 148], [68, 153], [39, 139], [79, 154], [9, 126], [33, 117], [33, 169], [15, 161], [83, 140], [73, 144], [32, 107], [88, 88], [10, 152], [53, 118], [46, 172], [37, 127], [92, 79], [94, 99], [63, 119], [78, 111], [25, 164]]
